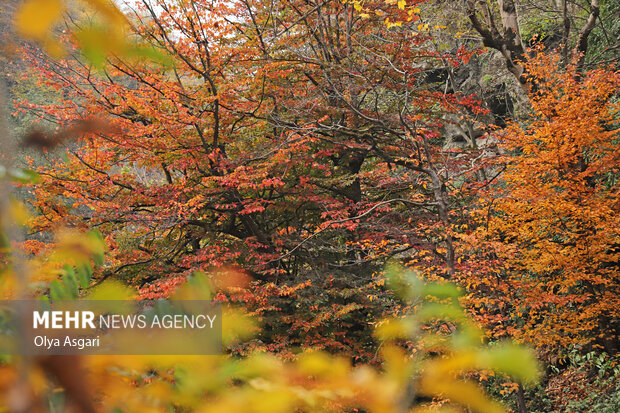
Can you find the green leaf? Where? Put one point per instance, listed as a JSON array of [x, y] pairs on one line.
[[99, 247], [4, 240], [441, 290], [516, 361], [70, 285], [68, 269], [406, 284], [24, 176], [198, 287], [147, 52], [85, 273], [95, 44], [431, 311], [56, 291]]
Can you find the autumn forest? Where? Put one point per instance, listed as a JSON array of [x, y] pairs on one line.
[[401, 206]]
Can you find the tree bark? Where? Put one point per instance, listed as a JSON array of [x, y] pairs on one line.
[[507, 39]]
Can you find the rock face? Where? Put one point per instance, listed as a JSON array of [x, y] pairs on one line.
[[484, 77]]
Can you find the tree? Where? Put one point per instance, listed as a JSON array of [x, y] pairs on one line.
[[292, 140], [552, 212], [505, 35]]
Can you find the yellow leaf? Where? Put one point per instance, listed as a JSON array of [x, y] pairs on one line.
[[402, 4], [19, 213], [35, 18], [357, 6], [395, 328], [111, 291], [108, 9], [53, 48], [462, 392], [319, 364], [396, 363]]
